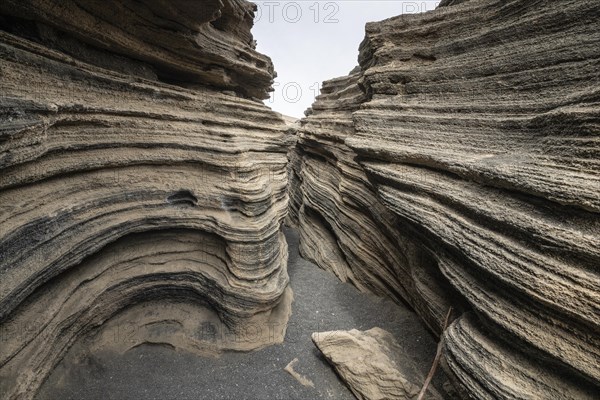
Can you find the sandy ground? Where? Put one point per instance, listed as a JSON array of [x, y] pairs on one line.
[[322, 303]]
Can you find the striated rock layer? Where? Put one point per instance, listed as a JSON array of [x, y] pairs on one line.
[[142, 189], [459, 166], [343, 226]]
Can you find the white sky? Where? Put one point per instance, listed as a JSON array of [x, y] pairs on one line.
[[312, 41]]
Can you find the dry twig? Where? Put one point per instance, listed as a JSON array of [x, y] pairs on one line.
[[437, 358]]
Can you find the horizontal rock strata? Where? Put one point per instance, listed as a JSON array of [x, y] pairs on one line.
[[141, 185], [343, 226], [181, 41], [464, 152]]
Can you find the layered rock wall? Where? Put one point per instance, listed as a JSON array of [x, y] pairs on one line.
[[142, 182], [459, 166], [343, 226]]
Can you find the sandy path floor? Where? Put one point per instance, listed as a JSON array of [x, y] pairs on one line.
[[322, 303]]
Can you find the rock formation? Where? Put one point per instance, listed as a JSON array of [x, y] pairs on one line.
[[459, 165], [143, 183], [373, 364]]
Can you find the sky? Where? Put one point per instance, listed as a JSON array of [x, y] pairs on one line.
[[312, 41]]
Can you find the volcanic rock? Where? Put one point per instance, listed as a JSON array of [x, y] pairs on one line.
[[459, 166], [142, 189]]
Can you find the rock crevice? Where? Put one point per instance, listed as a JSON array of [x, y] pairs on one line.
[[143, 183]]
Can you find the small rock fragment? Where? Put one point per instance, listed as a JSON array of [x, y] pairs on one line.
[[372, 364]]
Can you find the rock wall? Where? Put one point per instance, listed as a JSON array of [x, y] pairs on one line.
[[142, 185], [459, 166], [343, 225]]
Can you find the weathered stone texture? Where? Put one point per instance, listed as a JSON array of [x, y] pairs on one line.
[[373, 364], [139, 183], [460, 166]]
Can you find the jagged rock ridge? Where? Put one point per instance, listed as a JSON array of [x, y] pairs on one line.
[[141, 184], [459, 166]]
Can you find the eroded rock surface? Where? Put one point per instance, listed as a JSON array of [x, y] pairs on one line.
[[141, 185], [459, 166], [373, 364]]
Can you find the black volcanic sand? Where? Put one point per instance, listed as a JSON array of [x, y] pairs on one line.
[[322, 303]]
